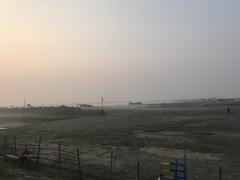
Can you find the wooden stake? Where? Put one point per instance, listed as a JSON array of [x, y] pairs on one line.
[[79, 164], [59, 155], [185, 162], [138, 170], [15, 145], [39, 150], [176, 173], [220, 173], [5, 146], [111, 166]]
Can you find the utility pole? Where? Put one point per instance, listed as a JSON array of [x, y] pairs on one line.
[[102, 104], [24, 105]]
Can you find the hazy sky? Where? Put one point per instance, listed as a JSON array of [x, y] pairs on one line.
[[68, 51]]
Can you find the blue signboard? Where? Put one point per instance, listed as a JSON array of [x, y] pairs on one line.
[[172, 171]]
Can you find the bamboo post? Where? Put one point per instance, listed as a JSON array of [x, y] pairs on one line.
[[15, 144], [111, 166], [39, 150], [138, 170], [79, 164], [59, 155], [220, 173]]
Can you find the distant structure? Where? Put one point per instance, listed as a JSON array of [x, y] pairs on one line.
[[85, 106], [29, 106], [220, 100], [135, 103]]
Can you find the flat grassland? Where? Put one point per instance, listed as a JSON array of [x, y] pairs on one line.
[[148, 133]]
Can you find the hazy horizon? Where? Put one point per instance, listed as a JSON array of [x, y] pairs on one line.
[[74, 51]]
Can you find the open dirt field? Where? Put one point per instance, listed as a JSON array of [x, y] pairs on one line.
[[148, 133]]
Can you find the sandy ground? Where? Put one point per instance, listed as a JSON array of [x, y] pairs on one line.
[[179, 154]]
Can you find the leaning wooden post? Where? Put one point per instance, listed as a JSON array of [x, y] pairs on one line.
[[39, 150], [111, 166], [138, 170], [59, 155], [15, 144], [220, 173], [79, 164]]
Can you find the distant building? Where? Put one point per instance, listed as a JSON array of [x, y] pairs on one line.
[[29, 106], [135, 103], [85, 106]]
